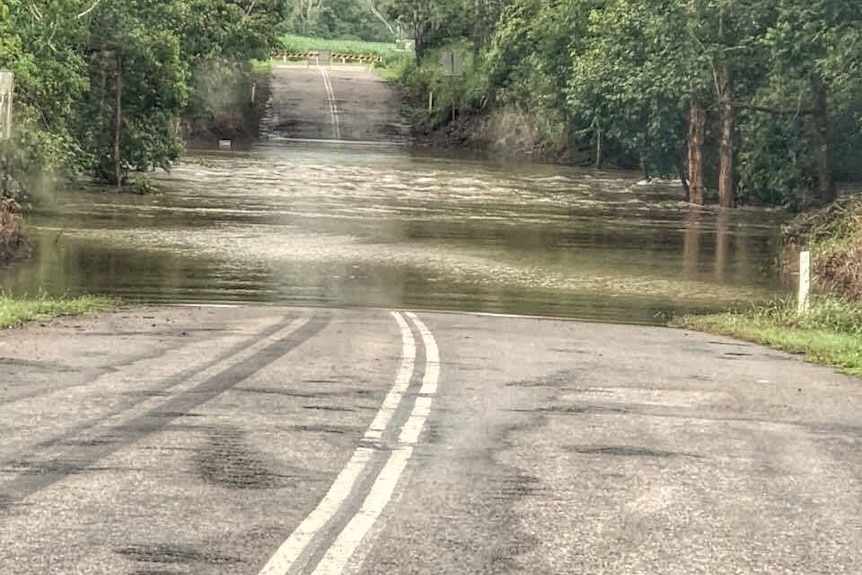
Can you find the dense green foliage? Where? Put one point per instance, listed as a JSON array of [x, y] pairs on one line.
[[753, 102], [834, 237], [343, 19], [756, 102], [101, 85]]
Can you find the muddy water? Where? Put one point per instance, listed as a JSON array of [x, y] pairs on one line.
[[372, 226]]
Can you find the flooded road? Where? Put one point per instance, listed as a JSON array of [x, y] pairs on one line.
[[373, 226]]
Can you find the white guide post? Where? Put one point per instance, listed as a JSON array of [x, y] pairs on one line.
[[804, 281]]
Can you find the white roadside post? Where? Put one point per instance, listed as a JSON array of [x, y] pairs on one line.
[[7, 83], [804, 281]]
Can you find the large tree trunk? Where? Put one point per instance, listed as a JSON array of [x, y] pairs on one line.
[[722, 245], [691, 244], [696, 137], [483, 26], [728, 119], [822, 141], [118, 160]]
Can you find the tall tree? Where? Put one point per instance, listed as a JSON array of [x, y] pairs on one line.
[[816, 48]]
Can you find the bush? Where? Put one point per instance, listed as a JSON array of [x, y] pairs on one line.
[[11, 233], [834, 236]]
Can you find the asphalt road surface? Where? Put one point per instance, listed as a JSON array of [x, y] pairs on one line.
[[258, 440], [340, 103]]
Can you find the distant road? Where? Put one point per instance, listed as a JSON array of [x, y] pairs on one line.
[[341, 103], [267, 441]]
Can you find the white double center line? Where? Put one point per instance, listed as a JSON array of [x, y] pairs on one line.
[[333, 105], [345, 545]]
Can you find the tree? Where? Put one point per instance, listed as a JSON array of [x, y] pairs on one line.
[[101, 85], [432, 23], [629, 83], [817, 50], [674, 83]]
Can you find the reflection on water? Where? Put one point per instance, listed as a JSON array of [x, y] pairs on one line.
[[377, 227]]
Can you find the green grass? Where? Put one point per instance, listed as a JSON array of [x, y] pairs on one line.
[[829, 334], [16, 311], [387, 52], [259, 67]]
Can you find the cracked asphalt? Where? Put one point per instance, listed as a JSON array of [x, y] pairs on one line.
[[196, 440]]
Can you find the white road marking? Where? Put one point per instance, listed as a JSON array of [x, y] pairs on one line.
[[336, 558], [291, 550], [432, 357], [333, 105], [339, 554], [402, 382]]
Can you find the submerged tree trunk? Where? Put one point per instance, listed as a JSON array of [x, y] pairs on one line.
[[722, 245], [118, 161], [696, 137], [822, 141], [728, 119], [691, 244]]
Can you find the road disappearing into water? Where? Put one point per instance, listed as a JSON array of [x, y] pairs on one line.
[[264, 440], [342, 427]]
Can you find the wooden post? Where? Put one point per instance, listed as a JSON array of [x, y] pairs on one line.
[[804, 281], [430, 101]]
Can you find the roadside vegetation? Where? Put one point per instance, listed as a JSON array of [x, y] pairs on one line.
[[107, 89], [755, 103], [830, 332], [110, 90], [11, 232], [16, 311], [386, 52]]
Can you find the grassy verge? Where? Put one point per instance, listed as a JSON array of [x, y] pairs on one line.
[[259, 67], [829, 334], [16, 311]]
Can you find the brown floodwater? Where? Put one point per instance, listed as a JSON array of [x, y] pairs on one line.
[[374, 226]]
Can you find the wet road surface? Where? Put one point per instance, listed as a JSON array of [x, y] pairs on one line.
[[339, 103], [219, 440]]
